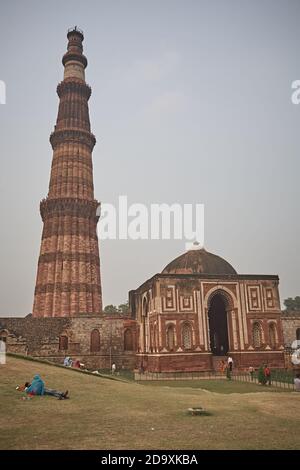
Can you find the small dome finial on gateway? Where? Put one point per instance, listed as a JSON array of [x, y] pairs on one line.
[[194, 246]]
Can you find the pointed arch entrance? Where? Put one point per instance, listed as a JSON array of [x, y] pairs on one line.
[[218, 325]]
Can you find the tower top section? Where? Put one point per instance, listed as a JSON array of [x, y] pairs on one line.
[[76, 30], [74, 61]]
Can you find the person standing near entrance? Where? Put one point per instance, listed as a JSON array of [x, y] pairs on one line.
[[230, 363], [267, 373], [113, 368]]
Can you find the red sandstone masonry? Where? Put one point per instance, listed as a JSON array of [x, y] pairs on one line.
[[68, 278]]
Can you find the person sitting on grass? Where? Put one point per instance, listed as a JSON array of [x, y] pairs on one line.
[[37, 387], [68, 362]]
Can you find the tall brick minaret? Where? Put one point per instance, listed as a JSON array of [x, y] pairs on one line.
[[68, 277]]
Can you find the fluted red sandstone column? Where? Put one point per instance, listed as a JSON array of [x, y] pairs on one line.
[[68, 277]]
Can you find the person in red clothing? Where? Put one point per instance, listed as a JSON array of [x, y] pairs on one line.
[[267, 372], [76, 364]]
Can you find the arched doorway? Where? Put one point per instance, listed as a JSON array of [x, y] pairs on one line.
[[218, 329], [128, 340], [95, 341]]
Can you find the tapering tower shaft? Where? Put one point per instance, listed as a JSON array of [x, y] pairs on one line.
[[68, 277]]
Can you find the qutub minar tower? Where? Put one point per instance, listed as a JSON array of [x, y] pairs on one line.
[[68, 278]]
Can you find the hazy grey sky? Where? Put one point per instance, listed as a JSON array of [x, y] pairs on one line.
[[191, 103]]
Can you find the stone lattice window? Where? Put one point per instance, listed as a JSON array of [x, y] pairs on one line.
[[256, 335], [63, 343], [170, 338], [272, 335], [128, 341], [187, 336], [95, 341]]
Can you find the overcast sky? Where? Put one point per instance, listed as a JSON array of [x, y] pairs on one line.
[[191, 103]]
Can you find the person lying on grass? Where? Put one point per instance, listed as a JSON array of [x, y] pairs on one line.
[[37, 387]]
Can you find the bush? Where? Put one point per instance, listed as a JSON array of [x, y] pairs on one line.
[[261, 376]]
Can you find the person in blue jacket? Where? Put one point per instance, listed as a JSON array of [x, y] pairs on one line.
[[37, 387]]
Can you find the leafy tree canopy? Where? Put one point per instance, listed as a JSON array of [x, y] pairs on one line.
[[122, 308], [292, 304]]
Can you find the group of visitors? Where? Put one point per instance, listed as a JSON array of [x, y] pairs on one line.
[[68, 362], [265, 376], [264, 373], [37, 385], [226, 366]]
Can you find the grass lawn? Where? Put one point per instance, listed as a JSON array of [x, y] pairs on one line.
[[218, 386], [109, 414]]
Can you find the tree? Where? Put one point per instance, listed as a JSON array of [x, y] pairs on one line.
[[292, 304], [111, 309], [123, 308]]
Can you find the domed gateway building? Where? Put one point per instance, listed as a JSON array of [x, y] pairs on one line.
[[199, 310]]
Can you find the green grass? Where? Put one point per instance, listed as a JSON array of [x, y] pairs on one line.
[[120, 374], [215, 385], [112, 414]]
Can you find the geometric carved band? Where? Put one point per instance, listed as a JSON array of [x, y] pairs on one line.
[[73, 86], [60, 158], [68, 56], [67, 287], [68, 206], [72, 180], [72, 135], [83, 230], [78, 257]]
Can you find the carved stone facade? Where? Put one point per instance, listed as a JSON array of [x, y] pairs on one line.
[[189, 319]]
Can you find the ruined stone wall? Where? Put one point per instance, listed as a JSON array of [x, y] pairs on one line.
[[290, 324], [40, 337]]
